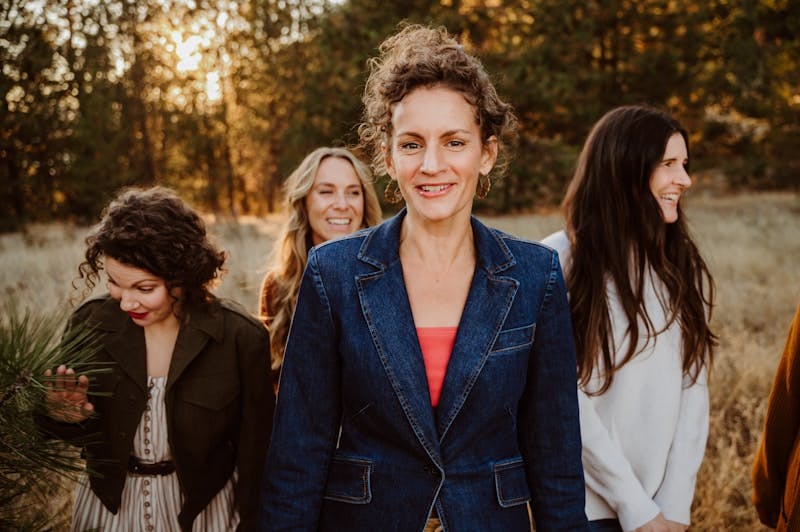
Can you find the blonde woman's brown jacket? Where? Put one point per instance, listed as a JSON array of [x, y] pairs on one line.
[[218, 400], [776, 471]]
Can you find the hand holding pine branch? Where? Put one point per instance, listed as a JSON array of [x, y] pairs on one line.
[[66, 397]]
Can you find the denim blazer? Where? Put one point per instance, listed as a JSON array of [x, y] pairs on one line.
[[356, 444]]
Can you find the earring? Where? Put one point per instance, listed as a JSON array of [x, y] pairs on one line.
[[484, 186], [392, 192]]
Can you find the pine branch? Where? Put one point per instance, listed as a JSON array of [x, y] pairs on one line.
[[30, 462]]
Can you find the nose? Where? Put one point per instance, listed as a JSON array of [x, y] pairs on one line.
[[683, 179], [127, 302], [432, 161], [340, 200]]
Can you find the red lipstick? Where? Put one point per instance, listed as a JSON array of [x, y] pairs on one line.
[[137, 315]]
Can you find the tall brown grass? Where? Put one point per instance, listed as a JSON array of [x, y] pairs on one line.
[[752, 245]]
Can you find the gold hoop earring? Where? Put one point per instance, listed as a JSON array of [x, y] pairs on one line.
[[392, 192], [484, 186]]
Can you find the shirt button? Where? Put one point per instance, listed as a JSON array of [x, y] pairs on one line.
[[146, 482], [147, 442], [147, 451], [147, 504]]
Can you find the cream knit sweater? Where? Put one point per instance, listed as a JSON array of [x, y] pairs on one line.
[[644, 438]]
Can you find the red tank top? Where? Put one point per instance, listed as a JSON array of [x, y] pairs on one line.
[[436, 344]]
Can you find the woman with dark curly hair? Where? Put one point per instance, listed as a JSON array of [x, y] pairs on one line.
[[414, 392], [329, 195], [640, 299], [176, 433]]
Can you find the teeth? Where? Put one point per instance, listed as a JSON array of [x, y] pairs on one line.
[[433, 188], [669, 197], [339, 221]]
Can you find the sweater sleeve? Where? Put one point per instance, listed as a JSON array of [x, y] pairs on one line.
[[609, 474], [676, 492], [780, 427]]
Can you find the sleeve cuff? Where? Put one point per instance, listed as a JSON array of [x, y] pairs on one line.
[[632, 516]]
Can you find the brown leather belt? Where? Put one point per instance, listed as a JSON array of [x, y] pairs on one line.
[[137, 467]]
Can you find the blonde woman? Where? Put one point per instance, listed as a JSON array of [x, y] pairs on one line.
[[328, 196]]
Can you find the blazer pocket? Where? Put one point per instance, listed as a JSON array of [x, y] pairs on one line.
[[511, 483], [211, 393], [513, 339], [349, 480]]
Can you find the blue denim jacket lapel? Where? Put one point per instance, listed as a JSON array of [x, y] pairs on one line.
[[488, 303], [384, 302]]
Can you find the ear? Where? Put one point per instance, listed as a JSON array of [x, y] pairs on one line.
[[387, 160], [489, 155]]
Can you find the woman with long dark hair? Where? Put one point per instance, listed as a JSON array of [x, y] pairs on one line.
[[640, 299]]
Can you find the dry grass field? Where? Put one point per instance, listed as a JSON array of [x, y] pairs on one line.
[[752, 245]]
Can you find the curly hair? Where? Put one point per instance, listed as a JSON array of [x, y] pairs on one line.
[[617, 233], [418, 57], [155, 230], [288, 260]]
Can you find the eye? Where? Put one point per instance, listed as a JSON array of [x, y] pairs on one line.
[[410, 146], [355, 192], [324, 191], [456, 143], [146, 289]]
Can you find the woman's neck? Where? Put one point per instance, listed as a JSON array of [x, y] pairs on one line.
[[436, 247]]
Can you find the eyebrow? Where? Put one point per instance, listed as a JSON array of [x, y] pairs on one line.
[[137, 283], [330, 184], [449, 133]]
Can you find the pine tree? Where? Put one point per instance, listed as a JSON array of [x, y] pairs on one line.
[[30, 463]]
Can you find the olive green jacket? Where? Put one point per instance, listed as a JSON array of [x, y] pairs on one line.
[[219, 403]]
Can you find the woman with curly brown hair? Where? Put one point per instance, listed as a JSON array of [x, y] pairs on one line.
[[328, 196], [429, 375], [176, 433], [640, 299]]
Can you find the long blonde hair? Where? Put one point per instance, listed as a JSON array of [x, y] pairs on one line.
[[289, 256]]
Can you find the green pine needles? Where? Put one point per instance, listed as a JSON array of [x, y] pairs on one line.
[[31, 465]]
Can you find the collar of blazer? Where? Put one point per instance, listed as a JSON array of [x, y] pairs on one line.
[[125, 342], [384, 303]]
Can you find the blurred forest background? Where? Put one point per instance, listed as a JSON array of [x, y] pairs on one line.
[[221, 98]]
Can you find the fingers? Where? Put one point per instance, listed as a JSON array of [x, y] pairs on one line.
[[66, 395]]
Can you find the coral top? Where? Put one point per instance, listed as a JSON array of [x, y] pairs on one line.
[[436, 344]]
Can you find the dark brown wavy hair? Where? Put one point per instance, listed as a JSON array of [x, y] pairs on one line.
[[417, 57], [155, 230], [616, 230]]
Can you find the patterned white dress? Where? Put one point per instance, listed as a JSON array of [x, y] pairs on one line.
[[151, 503]]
